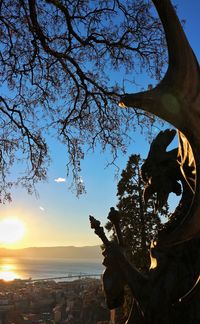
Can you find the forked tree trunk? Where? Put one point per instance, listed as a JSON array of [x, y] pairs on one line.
[[172, 293], [177, 100]]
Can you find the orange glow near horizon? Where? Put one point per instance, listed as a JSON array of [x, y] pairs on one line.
[[12, 230], [7, 272]]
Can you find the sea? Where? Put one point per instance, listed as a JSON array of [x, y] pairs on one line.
[[58, 269]]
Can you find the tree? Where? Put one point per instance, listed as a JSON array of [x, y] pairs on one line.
[[170, 293], [139, 222], [55, 61]]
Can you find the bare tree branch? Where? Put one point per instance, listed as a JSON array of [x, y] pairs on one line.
[[58, 60]]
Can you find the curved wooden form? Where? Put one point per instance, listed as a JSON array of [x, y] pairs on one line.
[[176, 99], [170, 292]]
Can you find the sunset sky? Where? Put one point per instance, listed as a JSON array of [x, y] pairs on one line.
[[57, 216]]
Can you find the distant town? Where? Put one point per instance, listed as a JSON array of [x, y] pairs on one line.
[[80, 301], [70, 299]]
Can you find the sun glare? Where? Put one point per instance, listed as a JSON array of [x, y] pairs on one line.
[[11, 230], [7, 271]]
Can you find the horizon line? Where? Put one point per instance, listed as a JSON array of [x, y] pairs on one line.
[[51, 246]]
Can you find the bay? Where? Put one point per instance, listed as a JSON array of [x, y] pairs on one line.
[[38, 268]]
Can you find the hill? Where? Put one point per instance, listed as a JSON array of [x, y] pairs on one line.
[[67, 252]]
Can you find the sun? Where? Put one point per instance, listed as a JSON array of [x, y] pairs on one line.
[[12, 230]]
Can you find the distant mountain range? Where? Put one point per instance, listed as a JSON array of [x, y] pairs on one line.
[[67, 252]]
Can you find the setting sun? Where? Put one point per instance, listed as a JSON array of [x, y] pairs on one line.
[[11, 230]]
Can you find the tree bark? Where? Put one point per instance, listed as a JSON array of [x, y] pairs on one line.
[[173, 285], [176, 99]]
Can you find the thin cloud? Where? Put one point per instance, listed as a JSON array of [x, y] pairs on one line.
[[60, 180]]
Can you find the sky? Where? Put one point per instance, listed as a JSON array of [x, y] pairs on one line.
[[57, 217]]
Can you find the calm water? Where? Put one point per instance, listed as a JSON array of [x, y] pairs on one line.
[[25, 268]]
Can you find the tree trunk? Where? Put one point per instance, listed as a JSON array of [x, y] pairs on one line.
[[171, 291], [173, 286]]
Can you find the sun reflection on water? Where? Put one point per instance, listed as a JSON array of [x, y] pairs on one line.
[[7, 271]]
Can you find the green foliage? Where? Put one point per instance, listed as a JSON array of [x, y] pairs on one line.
[[139, 221]]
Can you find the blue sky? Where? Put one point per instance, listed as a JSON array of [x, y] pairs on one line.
[[57, 216]]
